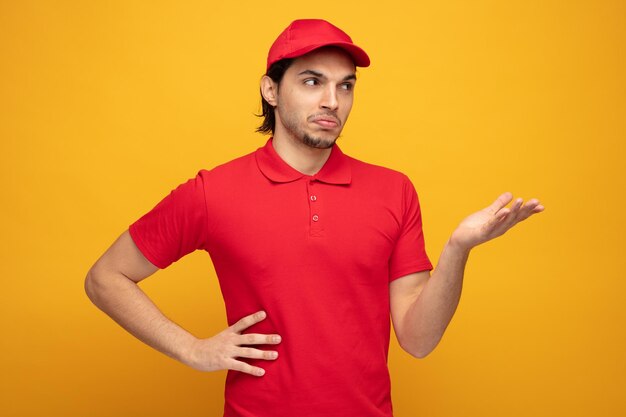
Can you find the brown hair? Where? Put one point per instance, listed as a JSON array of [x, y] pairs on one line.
[[276, 73]]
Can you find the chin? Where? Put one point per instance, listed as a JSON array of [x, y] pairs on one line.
[[318, 142]]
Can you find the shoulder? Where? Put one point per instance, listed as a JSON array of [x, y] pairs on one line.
[[385, 186], [371, 173], [231, 170]]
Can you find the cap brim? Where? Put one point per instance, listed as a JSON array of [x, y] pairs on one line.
[[360, 58]]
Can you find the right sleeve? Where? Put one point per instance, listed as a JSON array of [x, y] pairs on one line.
[[174, 227]]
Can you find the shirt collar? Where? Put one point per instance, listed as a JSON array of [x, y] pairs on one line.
[[336, 170]]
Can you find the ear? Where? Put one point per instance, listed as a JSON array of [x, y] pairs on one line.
[[269, 90]]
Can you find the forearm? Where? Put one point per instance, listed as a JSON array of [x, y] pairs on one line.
[[123, 300], [430, 313], [423, 309]]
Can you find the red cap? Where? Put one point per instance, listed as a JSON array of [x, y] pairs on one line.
[[303, 36]]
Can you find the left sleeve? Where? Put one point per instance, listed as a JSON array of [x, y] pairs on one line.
[[409, 255]]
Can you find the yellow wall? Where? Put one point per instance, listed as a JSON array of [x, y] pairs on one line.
[[106, 106]]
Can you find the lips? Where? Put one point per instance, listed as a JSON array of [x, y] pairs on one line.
[[326, 121]]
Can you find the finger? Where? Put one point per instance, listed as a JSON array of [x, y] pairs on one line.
[[259, 339], [506, 218], [246, 368], [500, 202], [501, 222], [501, 215], [251, 353], [527, 210], [517, 205], [248, 321], [514, 214], [538, 209], [519, 212]]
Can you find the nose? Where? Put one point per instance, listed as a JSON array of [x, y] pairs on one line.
[[329, 99]]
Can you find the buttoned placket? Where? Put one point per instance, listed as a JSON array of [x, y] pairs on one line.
[[316, 215]]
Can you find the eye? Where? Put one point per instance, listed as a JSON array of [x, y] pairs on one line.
[[311, 81], [347, 86]]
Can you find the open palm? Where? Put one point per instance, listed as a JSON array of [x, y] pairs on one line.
[[494, 220]]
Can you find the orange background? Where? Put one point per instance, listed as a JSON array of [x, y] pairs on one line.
[[106, 106]]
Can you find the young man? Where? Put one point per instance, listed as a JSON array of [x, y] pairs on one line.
[[313, 250]]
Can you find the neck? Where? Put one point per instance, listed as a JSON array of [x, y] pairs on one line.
[[299, 156]]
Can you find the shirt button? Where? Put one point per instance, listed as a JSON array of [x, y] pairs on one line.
[[316, 217], [313, 198]]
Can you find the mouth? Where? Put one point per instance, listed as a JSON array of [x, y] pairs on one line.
[[325, 121]]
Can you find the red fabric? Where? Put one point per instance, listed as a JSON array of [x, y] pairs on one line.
[[305, 35], [316, 253]]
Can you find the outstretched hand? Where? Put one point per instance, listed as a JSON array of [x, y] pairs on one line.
[[493, 221], [224, 350]]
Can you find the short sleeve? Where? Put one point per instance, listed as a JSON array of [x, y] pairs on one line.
[[409, 254], [176, 226]]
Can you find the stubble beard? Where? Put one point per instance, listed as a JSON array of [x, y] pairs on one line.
[[316, 142]]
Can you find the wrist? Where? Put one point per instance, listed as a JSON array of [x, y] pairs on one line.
[[184, 349], [458, 245]]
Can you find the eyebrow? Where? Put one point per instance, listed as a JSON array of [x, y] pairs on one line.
[[320, 75]]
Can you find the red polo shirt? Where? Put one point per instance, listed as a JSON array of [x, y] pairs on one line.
[[316, 253]]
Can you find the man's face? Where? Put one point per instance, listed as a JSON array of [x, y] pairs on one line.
[[315, 97]]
